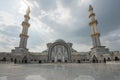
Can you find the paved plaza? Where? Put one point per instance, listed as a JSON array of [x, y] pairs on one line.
[[60, 71]]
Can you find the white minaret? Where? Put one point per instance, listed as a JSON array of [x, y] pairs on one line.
[[94, 30], [25, 25]]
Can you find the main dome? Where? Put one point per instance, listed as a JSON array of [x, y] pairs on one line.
[[60, 40]]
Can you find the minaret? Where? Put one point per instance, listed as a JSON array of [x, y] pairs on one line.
[[94, 30], [24, 35]]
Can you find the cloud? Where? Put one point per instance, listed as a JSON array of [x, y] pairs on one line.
[[65, 19], [78, 28], [107, 14], [6, 19], [61, 14], [112, 40], [7, 43], [8, 31]]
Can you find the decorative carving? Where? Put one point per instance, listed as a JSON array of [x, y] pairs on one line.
[[59, 42]]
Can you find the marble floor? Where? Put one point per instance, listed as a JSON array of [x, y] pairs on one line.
[[60, 71]]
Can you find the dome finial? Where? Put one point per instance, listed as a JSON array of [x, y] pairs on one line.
[[28, 10], [90, 7]]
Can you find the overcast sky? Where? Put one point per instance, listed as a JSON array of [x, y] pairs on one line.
[[59, 19]]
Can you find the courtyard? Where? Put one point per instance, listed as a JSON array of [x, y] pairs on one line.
[[58, 71]]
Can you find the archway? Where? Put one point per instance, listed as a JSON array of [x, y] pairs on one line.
[[65, 61], [4, 59], [53, 61], [62, 44], [104, 60], [108, 59], [11, 59], [15, 60], [24, 60], [40, 61], [95, 60], [59, 60], [78, 61], [116, 58]]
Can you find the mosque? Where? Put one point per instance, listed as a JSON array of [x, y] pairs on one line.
[[60, 51]]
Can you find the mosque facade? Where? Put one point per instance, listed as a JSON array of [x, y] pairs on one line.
[[61, 51]]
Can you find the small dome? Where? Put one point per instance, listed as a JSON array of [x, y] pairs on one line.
[[59, 40]]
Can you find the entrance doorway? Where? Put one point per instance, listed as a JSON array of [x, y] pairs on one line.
[[116, 59], [15, 61], [59, 60], [95, 60], [59, 51], [25, 60], [104, 60]]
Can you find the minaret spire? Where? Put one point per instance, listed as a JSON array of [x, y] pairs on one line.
[[28, 10], [93, 26], [25, 25]]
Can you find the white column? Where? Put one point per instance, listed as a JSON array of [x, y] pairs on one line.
[[93, 40], [98, 41], [63, 59], [25, 25], [55, 58]]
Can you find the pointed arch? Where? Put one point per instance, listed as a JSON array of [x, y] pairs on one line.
[[24, 60], [59, 43], [108, 59], [104, 60], [94, 59], [11, 59], [15, 60], [4, 59], [116, 58]]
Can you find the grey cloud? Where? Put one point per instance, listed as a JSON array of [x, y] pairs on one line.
[[11, 30], [78, 32], [46, 5], [107, 14], [104, 13]]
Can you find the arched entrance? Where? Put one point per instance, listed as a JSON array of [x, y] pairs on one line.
[[11, 59], [59, 58], [24, 60], [4, 59], [116, 58], [95, 60], [40, 61], [15, 60], [104, 60], [78, 61], [108, 59]]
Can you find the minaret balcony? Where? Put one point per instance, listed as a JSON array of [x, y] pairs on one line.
[[27, 16], [93, 14], [90, 8], [93, 22], [96, 34], [25, 24], [24, 35]]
